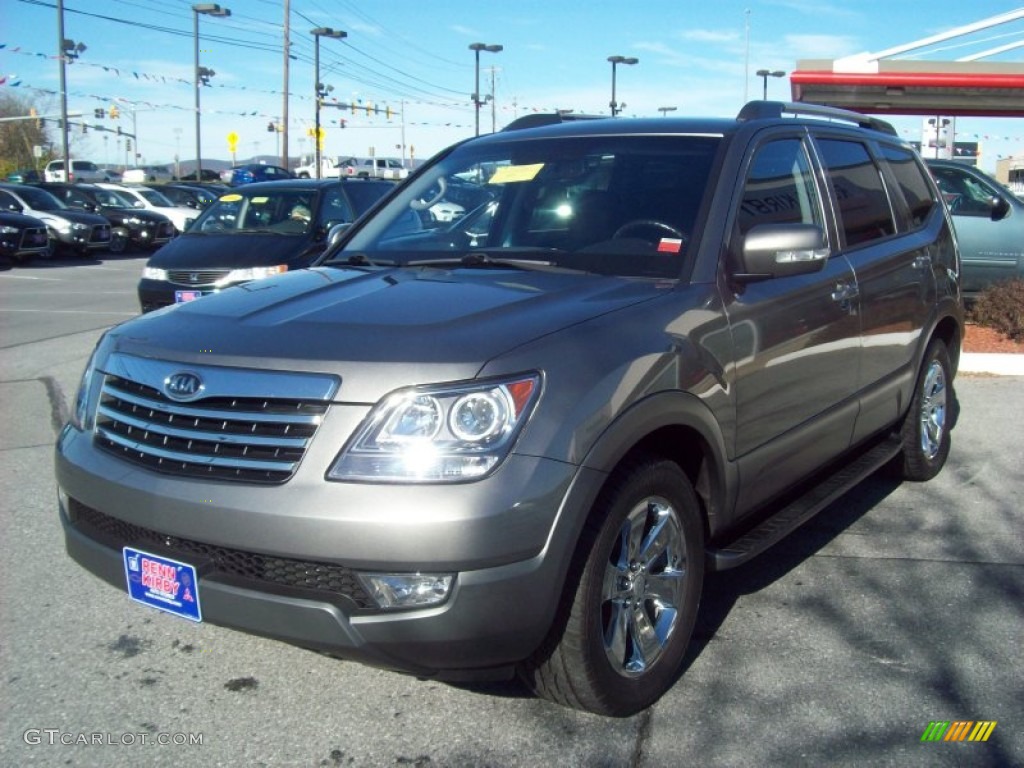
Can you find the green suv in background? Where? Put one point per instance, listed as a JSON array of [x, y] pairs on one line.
[[989, 223], [513, 443]]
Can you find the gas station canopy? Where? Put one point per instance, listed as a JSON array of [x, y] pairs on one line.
[[881, 82], [905, 87]]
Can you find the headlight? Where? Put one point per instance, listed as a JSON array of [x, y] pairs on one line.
[[442, 434], [135, 221], [153, 273], [61, 225], [88, 393], [252, 273], [5, 230]]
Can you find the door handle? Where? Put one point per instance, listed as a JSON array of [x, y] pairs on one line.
[[845, 291], [922, 262]]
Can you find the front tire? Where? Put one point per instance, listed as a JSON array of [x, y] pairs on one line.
[[118, 243], [630, 620], [925, 430]]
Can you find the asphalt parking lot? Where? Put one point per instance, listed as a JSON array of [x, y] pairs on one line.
[[898, 606]]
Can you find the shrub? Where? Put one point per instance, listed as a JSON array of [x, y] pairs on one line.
[[1001, 306]]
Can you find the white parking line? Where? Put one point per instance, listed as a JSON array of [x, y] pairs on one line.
[[29, 277], [69, 312]]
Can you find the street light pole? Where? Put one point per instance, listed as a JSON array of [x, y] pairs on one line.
[[476, 48], [317, 33], [616, 60], [764, 74], [207, 9], [66, 50]]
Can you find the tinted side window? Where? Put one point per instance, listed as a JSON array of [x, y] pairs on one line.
[[910, 177], [780, 187], [864, 210]]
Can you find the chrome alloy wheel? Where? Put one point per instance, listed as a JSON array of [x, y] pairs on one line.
[[643, 587], [934, 395]]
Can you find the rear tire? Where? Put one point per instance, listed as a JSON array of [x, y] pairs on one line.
[[632, 614], [925, 430]]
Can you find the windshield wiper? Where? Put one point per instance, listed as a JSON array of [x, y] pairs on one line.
[[480, 259]]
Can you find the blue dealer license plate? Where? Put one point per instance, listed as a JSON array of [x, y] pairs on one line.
[[162, 583]]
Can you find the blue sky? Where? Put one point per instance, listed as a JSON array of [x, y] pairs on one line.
[[413, 57]]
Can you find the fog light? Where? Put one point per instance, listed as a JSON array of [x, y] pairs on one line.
[[407, 590]]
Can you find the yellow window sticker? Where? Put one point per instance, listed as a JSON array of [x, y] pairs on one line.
[[259, 200], [512, 173], [230, 198]]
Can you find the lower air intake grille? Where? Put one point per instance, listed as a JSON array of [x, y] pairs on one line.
[[318, 577]]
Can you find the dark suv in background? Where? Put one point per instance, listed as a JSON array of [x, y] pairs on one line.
[[129, 226], [515, 442]]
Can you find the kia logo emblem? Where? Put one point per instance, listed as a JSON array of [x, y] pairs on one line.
[[183, 386]]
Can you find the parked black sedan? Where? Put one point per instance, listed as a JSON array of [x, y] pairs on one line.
[[129, 225], [78, 231], [255, 231], [22, 237]]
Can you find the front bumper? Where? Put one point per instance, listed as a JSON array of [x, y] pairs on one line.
[[94, 239], [508, 550]]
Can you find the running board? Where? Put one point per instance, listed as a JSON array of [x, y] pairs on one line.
[[799, 511]]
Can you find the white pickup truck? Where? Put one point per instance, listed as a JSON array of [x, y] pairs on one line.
[[375, 167]]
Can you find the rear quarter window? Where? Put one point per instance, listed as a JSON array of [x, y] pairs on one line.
[[910, 177]]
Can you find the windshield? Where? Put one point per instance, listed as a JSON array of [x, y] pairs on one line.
[[280, 211], [40, 199], [108, 198], [156, 198], [624, 205]]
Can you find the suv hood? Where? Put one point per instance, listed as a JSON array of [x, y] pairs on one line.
[[231, 251], [378, 330]]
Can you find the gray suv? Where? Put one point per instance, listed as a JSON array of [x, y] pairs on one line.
[[513, 444]]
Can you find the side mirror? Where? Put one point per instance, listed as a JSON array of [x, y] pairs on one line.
[[336, 231], [781, 250], [1000, 207], [14, 207]]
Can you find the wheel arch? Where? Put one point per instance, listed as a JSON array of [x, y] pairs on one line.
[[679, 427]]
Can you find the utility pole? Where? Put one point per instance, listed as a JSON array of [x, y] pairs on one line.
[[284, 105]]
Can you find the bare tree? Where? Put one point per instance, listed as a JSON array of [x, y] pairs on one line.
[[18, 137]]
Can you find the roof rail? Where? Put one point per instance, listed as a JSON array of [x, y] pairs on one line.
[[539, 119], [754, 110]]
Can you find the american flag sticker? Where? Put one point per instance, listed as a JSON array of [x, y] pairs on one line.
[[670, 245]]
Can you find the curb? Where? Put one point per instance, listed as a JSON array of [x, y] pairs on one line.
[[991, 363]]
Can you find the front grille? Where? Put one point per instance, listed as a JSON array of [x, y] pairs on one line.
[[210, 559], [34, 237], [165, 230], [100, 234], [243, 439], [196, 276]]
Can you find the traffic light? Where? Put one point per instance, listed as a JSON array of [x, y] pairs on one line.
[[85, 128], [270, 127], [99, 113], [342, 122], [32, 112], [128, 145], [119, 130], [387, 112], [115, 113]]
